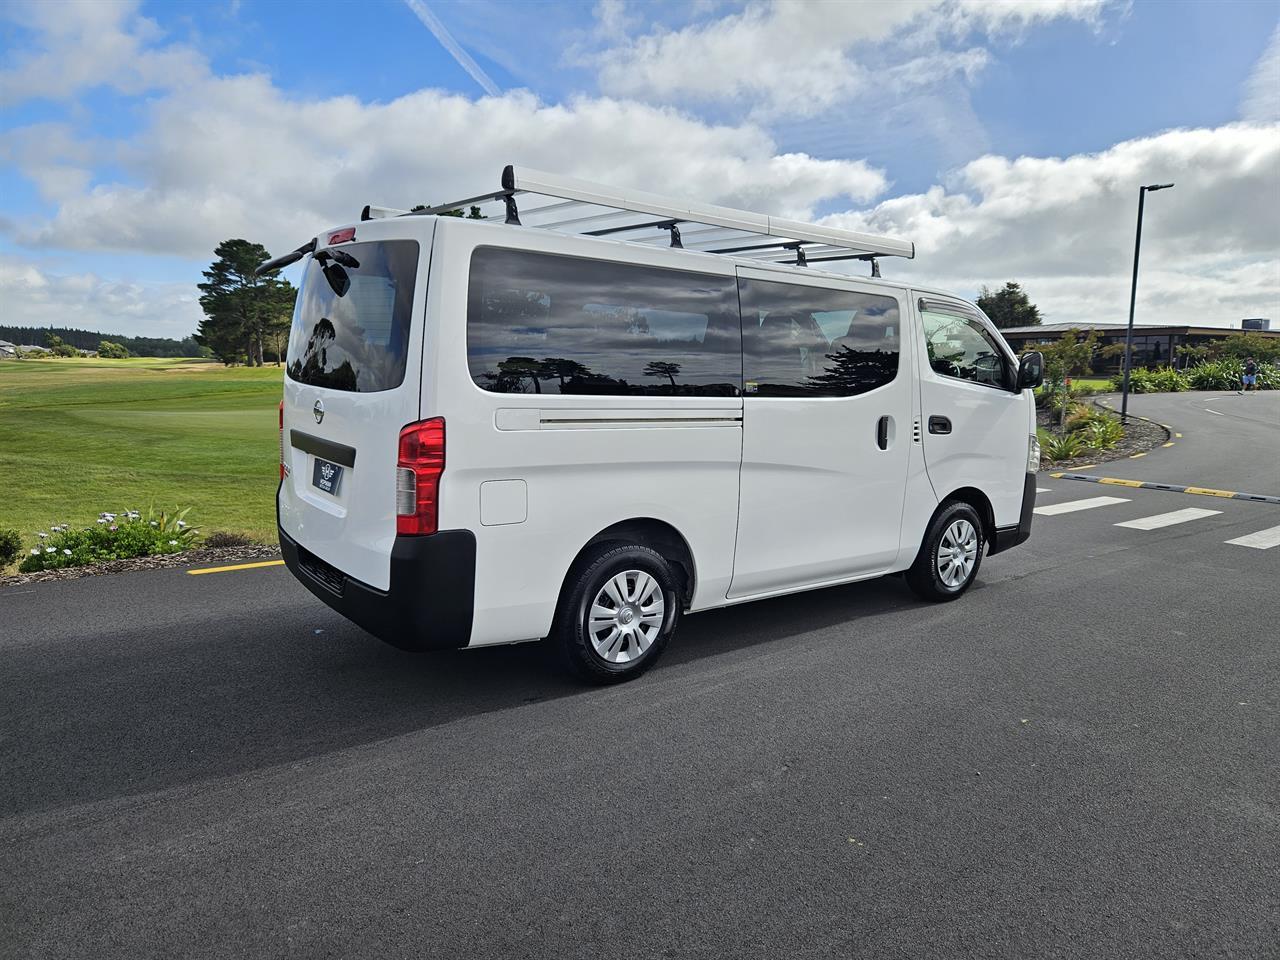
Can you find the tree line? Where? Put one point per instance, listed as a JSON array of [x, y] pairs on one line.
[[92, 340]]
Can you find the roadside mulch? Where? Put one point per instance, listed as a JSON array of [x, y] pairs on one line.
[[1139, 437], [201, 556]]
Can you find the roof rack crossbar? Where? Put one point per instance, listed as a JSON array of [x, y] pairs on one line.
[[607, 211], [648, 225], [459, 204]]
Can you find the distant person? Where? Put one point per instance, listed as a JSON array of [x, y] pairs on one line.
[[1250, 376]]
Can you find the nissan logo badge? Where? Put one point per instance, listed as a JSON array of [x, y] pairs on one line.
[[318, 410]]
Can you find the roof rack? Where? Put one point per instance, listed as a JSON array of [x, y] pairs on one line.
[[578, 207]]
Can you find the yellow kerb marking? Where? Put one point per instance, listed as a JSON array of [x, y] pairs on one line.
[[1086, 466], [1169, 444], [1121, 483], [1178, 435], [1056, 476], [238, 566], [1135, 456], [1209, 492]]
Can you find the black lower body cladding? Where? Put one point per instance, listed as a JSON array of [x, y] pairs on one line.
[[431, 598], [1007, 537]]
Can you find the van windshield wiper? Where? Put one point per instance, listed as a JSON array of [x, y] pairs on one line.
[[279, 263]]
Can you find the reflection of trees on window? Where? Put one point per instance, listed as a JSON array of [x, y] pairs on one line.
[[659, 368], [311, 367], [516, 370], [598, 326], [564, 370], [849, 372]]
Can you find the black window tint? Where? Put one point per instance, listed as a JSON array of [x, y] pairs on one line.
[[352, 317], [960, 347], [542, 323], [801, 341]]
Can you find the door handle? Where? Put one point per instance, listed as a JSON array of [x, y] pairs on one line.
[[882, 433], [939, 424]]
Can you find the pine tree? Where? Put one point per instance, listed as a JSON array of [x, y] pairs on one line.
[[1009, 306], [240, 308]]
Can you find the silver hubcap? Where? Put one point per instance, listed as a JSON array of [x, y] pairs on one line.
[[626, 616], [957, 553]]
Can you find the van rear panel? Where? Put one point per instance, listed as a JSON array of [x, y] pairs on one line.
[[352, 380]]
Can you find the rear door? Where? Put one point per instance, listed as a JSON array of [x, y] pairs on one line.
[[826, 430], [976, 425], [352, 380]]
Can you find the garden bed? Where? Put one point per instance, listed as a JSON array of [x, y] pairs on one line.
[[200, 556], [1139, 437]]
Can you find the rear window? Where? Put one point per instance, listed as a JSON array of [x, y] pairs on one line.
[[543, 323], [352, 317]]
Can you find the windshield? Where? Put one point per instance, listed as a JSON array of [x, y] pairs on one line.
[[352, 317]]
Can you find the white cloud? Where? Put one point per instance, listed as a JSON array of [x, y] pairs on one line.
[[83, 44], [1063, 227], [1261, 100], [35, 297], [780, 58], [235, 157]]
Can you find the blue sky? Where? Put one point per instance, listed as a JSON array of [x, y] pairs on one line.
[[904, 118]]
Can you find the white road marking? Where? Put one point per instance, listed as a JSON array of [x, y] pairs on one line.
[[1043, 489], [1071, 506], [1262, 540], [1215, 412], [1168, 519]]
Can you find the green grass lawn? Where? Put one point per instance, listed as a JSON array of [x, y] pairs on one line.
[[80, 436]]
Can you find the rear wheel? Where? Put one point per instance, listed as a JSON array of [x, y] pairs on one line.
[[950, 556], [621, 606]]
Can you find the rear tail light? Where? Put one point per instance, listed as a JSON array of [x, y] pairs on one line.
[[284, 471], [418, 471]]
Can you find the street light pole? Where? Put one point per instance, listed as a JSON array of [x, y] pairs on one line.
[[1133, 296]]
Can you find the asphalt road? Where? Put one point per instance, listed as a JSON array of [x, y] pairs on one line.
[[1078, 759]]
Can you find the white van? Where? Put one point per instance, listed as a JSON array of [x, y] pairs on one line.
[[586, 417]]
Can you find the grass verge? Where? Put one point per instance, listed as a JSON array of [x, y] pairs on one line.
[[79, 436]]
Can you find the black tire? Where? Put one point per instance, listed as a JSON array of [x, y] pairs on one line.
[[925, 577], [571, 633]]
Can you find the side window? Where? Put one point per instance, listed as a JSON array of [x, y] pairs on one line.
[[543, 323], [802, 341], [961, 347]]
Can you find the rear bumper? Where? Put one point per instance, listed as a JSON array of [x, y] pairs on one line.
[[1007, 537], [431, 599]]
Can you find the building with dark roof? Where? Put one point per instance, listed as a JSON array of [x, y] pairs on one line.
[[1152, 345]]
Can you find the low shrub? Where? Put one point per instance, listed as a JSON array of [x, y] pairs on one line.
[[1160, 380], [116, 536], [1060, 448], [225, 538], [1216, 375], [1082, 415], [1103, 433], [1226, 374], [10, 546]]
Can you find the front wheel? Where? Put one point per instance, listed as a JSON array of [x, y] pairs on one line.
[[621, 606], [950, 556]]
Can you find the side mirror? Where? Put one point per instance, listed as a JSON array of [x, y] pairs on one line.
[[1030, 370]]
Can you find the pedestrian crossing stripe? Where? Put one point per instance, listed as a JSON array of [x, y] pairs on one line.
[[1071, 506], [1262, 540], [1169, 487], [1160, 520]]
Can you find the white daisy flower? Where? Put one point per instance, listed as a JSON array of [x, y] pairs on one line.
[[35, 552], [67, 552], [173, 543]]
